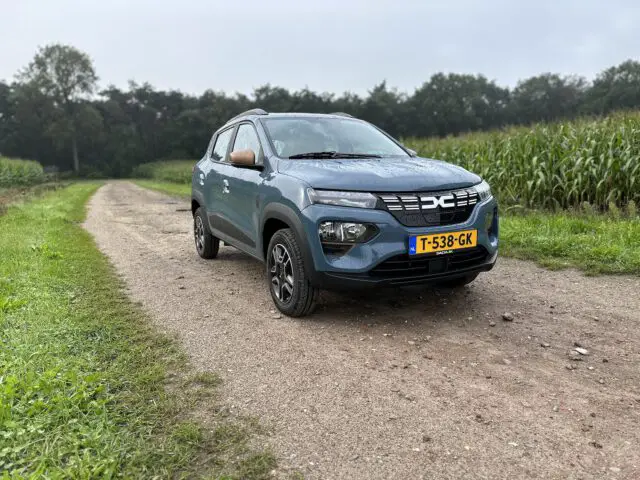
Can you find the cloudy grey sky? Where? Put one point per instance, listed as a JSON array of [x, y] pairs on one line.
[[327, 45]]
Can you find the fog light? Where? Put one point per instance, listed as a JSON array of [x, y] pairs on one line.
[[346, 232]]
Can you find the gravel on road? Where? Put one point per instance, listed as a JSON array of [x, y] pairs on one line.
[[489, 381]]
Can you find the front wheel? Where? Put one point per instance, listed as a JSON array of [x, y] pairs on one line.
[[289, 285]]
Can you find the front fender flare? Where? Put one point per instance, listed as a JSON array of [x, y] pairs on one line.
[[290, 217]]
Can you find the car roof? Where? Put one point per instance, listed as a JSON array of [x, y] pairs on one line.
[[259, 113]]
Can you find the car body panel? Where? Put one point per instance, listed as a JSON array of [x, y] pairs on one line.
[[392, 239], [239, 209], [390, 174], [237, 202]]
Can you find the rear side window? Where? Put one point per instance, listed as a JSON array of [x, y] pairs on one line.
[[221, 146], [247, 139]]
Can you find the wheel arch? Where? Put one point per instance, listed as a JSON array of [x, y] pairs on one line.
[[277, 216], [197, 200]]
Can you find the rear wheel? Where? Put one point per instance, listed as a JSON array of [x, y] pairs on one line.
[[206, 244], [459, 282], [289, 285]]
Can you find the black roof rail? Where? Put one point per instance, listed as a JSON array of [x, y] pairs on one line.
[[253, 111], [342, 114]]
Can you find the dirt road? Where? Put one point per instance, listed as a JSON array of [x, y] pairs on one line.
[[410, 383]]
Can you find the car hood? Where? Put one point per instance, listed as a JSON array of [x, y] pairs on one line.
[[389, 174]]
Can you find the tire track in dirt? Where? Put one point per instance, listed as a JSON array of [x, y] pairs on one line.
[[407, 383]]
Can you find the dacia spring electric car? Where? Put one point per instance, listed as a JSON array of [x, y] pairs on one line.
[[333, 202]]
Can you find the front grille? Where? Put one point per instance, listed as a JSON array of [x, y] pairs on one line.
[[410, 266], [431, 209]]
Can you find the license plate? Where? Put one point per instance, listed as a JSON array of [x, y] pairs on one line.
[[442, 242]]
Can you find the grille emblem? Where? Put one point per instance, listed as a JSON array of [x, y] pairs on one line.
[[431, 208], [443, 201]]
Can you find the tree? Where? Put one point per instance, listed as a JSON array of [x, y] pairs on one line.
[[547, 97], [617, 88], [456, 103], [5, 115], [66, 75], [27, 115], [385, 108], [51, 110]]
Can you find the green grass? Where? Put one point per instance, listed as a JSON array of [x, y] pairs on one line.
[[172, 171], [593, 243], [87, 388], [15, 195], [15, 172], [174, 189]]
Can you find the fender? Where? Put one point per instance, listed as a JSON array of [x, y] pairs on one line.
[[198, 197], [287, 215]]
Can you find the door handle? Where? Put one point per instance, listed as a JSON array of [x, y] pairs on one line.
[[225, 187]]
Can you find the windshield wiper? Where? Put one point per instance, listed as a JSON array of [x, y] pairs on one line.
[[358, 155], [334, 154], [330, 154]]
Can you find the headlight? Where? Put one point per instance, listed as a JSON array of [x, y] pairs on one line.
[[346, 232], [483, 189], [342, 199]]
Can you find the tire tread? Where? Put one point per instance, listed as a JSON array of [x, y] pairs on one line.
[[308, 294]]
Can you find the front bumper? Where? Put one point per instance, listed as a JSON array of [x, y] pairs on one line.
[[384, 260], [338, 281]]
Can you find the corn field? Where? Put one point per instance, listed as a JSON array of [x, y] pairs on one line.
[[552, 166], [14, 172]]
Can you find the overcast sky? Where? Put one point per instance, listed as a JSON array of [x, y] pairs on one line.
[[327, 45]]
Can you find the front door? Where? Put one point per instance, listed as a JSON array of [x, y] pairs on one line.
[[242, 204]]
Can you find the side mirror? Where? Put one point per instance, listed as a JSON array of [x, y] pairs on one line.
[[243, 158]]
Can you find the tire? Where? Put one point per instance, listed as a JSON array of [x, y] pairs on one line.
[[207, 245], [287, 277], [459, 282]]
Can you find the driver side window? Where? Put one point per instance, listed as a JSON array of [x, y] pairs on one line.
[[247, 139]]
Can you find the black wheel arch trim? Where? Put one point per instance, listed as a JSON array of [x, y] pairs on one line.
[[287, 215], [199, 199]]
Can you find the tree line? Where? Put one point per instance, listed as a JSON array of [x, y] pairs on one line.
[[53, 112]]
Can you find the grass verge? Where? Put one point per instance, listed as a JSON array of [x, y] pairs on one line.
[[171, 171], [174, 189], [87, 388], [594, 243], [19, 194]]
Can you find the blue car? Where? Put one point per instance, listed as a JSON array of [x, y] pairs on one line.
[[333, 202]]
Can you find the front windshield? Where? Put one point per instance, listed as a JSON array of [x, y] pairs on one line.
[[292, 136]]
